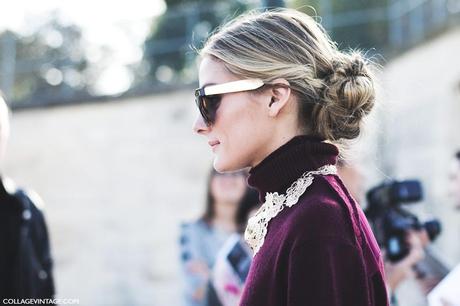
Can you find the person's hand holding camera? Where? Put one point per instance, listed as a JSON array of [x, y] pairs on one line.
[[399, 271]]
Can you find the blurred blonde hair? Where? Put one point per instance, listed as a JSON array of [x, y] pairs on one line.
[[335, 89]]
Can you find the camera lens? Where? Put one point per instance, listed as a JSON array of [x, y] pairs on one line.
[[433, 228]]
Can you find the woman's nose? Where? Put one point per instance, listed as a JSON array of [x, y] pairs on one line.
[[199, 126]]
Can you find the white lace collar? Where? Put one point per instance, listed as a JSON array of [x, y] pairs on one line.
[[256, 229]]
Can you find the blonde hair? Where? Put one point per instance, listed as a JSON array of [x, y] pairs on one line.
[[335, 90]]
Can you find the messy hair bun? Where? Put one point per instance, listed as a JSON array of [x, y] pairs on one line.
[[347, 97], [334, 89]]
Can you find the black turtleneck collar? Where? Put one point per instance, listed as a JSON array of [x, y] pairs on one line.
[[287, 163]]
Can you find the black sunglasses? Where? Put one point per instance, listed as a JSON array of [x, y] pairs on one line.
[[208, 97]]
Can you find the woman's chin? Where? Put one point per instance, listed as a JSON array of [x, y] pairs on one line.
[[222, 165]]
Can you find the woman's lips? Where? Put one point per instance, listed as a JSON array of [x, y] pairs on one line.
[[213, 143]]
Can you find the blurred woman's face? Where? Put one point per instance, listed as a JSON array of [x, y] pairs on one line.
[[228, 187], [241, 129], [454, 183]]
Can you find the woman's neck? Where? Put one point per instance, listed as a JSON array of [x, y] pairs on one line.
[[287, 163], [225, 215], [280, 137]]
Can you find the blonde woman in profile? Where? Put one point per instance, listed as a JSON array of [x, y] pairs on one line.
[[277, 95]]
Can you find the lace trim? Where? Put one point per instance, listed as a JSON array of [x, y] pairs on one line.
[[256, 229]]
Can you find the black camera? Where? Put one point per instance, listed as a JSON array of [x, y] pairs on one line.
[[391, 221]]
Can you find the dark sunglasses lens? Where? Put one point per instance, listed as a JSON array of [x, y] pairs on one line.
[[202, 108], [208, 106]]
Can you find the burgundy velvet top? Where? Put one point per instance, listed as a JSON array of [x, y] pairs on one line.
[[320, 251]]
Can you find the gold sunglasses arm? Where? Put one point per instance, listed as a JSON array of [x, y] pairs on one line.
[[235, 86]]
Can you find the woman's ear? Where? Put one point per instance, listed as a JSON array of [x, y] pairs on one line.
[[279, 96]]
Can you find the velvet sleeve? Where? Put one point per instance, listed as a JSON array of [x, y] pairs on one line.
[[328, 273]]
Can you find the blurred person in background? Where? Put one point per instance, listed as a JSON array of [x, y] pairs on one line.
[[25, 257], [353, 177], [454, 180], [444, 290], [447, 291], [277, 95], [201, 240], [234, 258]]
